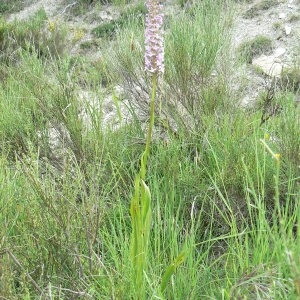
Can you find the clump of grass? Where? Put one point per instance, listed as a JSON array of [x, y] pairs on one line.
[[7, 6], [89, 44], [3, 7], [243, 1], [185, 3], [256, 9], [82, 6], [33, 36], [290, 79], [105, 30], [108, 29], [294, 17], [255, 47], [277, 25]]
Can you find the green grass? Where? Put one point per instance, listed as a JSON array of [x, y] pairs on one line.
[[7, 6], [259, 7], [136, 12], [34, 36], [291, 79], [220, 193], [255, 47], [81, 7]]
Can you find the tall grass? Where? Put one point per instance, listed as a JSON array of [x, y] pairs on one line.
[[217, 193]]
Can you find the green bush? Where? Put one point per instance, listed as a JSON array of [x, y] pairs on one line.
[[108, 29], [257, 8], [3, 7], [255, 47], [82, 6], [291, 79], [105, 30], [7, 6], [34, 36]]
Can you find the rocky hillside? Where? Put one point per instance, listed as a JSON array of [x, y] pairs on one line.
[[267, 31]]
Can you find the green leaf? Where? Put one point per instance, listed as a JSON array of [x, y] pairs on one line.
[[170, 271], [116, 102], [140, 211], [146, 214]]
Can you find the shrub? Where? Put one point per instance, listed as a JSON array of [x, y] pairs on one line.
[[257, 46], [82, 6], [8, 6], [108, 29], [32, 36], [256, 9], [291, 79]]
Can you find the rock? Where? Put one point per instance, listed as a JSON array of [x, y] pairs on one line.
[[288, 29], [279, 51], [269, 65], [282, 16]]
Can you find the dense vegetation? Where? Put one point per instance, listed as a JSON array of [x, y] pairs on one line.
[[224, 179]]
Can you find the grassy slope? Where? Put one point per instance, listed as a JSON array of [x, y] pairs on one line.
[[217, 193]]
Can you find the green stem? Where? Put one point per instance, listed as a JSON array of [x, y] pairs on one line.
[[148, 141], [277, 192]]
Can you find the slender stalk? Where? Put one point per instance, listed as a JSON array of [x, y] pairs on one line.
[[20, 266], [277, 193], [149, 135]]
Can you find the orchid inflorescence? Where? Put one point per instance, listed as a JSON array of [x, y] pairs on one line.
[[154, 43]]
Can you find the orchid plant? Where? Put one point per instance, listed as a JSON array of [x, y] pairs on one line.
[[140, 208]]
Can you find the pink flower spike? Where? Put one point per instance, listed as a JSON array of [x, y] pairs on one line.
[[154, 43]]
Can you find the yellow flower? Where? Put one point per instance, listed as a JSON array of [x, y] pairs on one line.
[[78, 35], [274, 155], [277, 156], [267, 136], [51, 25]]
